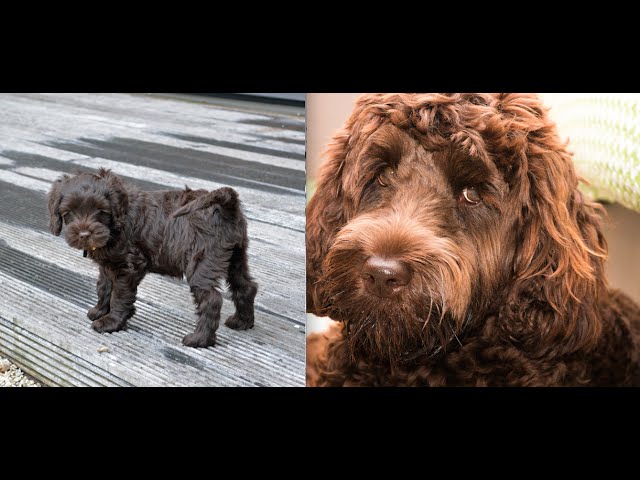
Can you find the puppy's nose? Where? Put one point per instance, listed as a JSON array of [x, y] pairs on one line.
[[385, 277], [84, 234]]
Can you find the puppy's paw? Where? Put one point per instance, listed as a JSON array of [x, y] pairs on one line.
[[95, 313], [238, 323], [107, 324], [198, 340]]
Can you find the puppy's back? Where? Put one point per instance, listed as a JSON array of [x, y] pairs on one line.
[[225, 197]]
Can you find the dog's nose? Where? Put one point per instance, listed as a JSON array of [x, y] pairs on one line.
[[84, 234], [385, 277]]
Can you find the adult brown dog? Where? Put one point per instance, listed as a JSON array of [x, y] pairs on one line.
[[448, 236], [128, 233]]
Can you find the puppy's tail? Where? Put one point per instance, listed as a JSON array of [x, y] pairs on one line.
[[226, 197]]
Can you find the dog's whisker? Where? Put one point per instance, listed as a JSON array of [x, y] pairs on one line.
[[454, 334], [430, 309]]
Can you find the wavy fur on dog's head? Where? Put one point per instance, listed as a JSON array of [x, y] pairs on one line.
[[530, 255], [92, 206]]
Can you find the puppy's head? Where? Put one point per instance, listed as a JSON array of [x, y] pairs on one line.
[[435, 212], [91, 207]]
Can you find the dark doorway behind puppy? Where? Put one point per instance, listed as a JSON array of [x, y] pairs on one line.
[[129, 233]]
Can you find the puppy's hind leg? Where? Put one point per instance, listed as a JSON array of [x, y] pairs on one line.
[[243, 290], [203, 282], [103, 289]]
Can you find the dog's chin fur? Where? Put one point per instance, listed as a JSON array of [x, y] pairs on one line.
[[510, 290], [389, 330], [391, 335]]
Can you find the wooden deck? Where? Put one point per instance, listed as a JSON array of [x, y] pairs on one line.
[[154, 142]]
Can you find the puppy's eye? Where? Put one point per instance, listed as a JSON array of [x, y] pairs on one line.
[[470, 196], [66, 217], [385, 177]]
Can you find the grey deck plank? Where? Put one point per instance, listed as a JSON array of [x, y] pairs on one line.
[[156, 143]]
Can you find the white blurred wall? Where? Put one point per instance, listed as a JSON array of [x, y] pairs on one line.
[[326, 112]]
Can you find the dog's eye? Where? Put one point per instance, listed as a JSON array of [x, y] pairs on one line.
[[470, 196], [66, 217], [385, 177]]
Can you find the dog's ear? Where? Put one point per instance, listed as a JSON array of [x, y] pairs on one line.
[[335, 199], [559, 265], [326, 214], [54, 199], [118, 196]]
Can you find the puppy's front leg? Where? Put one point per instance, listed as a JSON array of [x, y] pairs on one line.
[[123, 295], [103, 289]]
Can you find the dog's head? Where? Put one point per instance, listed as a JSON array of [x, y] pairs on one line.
[[92, 208], [436, 212]]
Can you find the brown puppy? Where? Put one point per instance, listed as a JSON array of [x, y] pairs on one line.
[[128, 233], [448, 236]]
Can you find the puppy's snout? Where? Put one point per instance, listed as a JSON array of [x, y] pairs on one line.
[[83, 235], [385, 277]]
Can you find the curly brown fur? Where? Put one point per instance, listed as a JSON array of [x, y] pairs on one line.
[[128, 233], [506, 290]]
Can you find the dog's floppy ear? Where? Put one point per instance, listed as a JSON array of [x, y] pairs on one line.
[[334, 202], [341, 180], [54, 199], [559, 266], [118, 196], [325, 214]]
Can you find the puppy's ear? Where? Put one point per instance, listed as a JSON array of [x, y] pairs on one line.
[[325, 213], [335, 199], [559, 266], [54, 199], [118, 196]]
